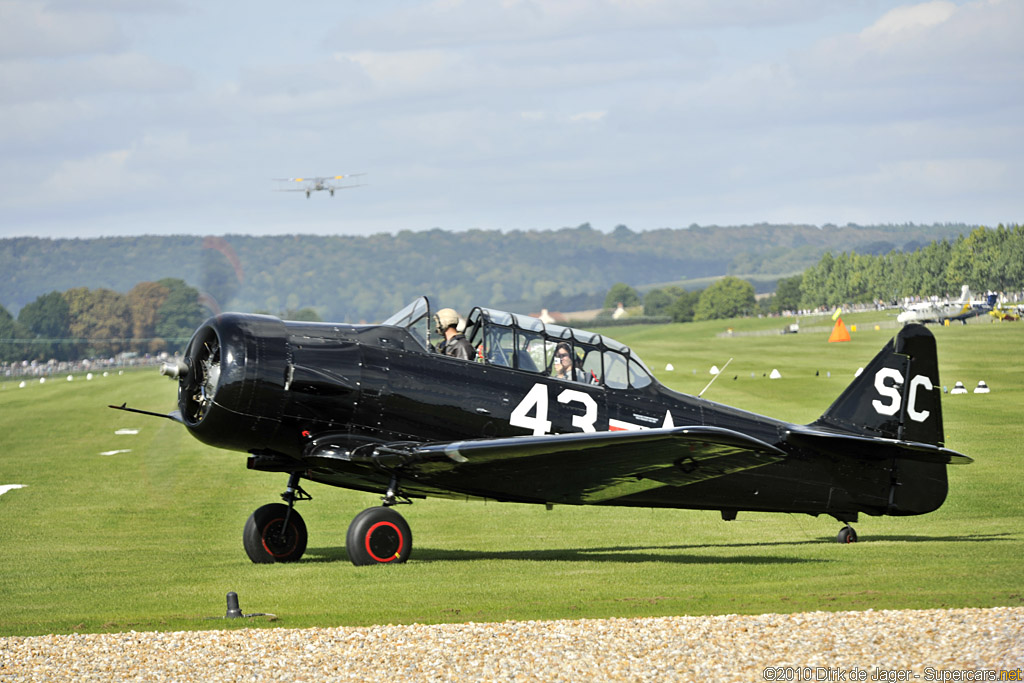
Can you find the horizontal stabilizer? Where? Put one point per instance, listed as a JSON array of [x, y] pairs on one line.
[[867, 447]]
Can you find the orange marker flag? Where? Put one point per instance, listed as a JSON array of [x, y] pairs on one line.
[[839, 332]]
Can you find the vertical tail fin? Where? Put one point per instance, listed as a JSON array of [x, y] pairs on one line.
[[897, 396], [965, 295]]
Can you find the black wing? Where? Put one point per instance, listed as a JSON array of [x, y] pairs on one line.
[[573, 468]]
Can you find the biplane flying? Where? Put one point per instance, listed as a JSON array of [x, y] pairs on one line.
[[374, 408], [318, 184]]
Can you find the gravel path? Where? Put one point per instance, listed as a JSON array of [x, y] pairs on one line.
[[944, 645]]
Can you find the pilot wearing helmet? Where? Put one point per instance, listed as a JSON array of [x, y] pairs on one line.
[[455, 344]]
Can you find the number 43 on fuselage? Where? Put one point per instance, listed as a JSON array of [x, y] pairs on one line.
[[375, 408]]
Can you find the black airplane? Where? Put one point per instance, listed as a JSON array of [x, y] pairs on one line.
[[374, 408]]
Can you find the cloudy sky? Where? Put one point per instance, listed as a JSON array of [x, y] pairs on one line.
[[174, 116]]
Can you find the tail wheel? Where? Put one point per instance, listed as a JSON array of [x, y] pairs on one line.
[[268, 538], [846, 535], [378, 535]]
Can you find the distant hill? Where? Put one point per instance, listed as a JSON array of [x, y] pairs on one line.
[[347, 278]]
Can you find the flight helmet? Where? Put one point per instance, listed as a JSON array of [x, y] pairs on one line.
[[445, 318]]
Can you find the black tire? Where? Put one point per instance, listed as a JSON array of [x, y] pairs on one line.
[[262, 537], [846, 535], [378, 535]]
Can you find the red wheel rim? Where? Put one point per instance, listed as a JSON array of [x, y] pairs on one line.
[[384, 542], [273, 549]]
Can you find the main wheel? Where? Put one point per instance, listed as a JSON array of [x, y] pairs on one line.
[[846, 535], [378, 535], [267, 540]]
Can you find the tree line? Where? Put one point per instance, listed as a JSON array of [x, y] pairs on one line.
[[351, 278], [160, 315], [986, 259], [727, 297], [91, 323]]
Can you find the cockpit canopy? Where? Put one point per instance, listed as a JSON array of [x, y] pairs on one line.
[[524, 343]]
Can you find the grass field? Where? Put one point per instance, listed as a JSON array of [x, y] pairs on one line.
[[151, 539]]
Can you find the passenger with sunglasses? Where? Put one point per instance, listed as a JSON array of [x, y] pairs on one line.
[[564, 365]]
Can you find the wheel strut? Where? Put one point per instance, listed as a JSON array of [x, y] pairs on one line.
[[292, 493], [394, 494]]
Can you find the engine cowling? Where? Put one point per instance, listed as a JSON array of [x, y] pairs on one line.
[[231, 389]]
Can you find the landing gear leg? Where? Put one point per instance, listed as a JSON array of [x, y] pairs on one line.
[[379, 535], [276, 532], [394, 494], [293, 493]]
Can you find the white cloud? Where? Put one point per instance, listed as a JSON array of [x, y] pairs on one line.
[[460, 23], [588, 116], [129, 175], [409, 69], [32, 126], [33, 29], [31, 81], [928, 177], [105, 173], [936, 41], [903, 21]]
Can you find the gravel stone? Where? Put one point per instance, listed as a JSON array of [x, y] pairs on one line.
[[914, 645]]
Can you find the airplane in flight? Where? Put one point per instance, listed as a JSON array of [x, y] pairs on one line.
[[939, 312], [375, 408], [318, 184]]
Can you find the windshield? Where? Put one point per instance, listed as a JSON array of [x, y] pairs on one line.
[[415, 317]]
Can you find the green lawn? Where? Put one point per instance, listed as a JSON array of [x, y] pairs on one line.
[[151, 539]]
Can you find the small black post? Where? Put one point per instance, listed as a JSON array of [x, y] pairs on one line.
[[233, 611]]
